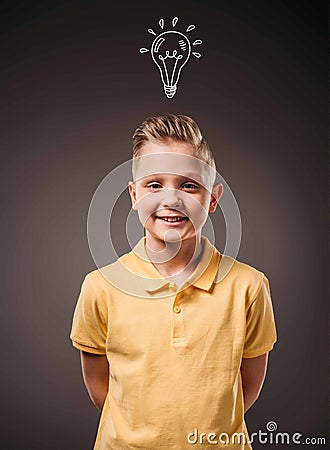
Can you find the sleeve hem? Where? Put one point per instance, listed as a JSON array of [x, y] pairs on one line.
[[86, 348], [258, 352]]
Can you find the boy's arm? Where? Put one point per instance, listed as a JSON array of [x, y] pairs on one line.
[[95, 369], [253, 371]]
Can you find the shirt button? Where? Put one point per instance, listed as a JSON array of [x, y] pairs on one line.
[[172, 286], [177, 309]]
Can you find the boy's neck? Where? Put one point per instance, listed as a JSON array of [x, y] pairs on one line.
[[179, 267]]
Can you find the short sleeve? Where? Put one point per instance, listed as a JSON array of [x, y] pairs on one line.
[[260, 323], [89, 326]]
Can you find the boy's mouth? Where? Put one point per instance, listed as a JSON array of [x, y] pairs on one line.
[[172, 219]]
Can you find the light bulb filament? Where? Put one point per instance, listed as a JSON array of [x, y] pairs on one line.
[[167, 55]]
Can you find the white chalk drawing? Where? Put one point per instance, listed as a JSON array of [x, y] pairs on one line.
[[170, 51]]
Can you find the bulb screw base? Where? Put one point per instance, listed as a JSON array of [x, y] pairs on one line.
[[170, 90]]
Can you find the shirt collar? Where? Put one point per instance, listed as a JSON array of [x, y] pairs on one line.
[[202, 278]]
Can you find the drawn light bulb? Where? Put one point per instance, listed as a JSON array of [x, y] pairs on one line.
[[170, 51]]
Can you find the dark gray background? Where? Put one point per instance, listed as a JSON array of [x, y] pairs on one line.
[[73, 89]]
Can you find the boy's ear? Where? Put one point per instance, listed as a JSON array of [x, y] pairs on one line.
[[132, 193], [216, 194]]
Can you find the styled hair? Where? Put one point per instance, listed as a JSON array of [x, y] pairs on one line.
[[173, 127]]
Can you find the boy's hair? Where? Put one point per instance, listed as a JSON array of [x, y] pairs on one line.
[[173, 127]]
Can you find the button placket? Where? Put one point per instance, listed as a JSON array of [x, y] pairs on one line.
[[177, 319]]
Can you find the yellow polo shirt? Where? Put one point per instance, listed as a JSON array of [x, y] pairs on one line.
[[174, 354]]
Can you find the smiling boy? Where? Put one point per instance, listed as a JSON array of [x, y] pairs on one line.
[[167, 346]]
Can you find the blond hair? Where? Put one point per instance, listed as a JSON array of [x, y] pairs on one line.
[[173, 127]]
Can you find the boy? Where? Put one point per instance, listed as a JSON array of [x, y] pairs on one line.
[[172, 354]]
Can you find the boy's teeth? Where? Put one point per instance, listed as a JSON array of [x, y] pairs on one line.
[[172, 219]]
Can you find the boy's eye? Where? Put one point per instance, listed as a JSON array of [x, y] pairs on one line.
[[190, 186], [154, 185]]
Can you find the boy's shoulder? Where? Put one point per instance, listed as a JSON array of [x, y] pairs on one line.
[[244, 269], [240, 274], [128, 274], [116, 268], [101, 276]]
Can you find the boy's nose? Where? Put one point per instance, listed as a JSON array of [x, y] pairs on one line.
[[171, 198]]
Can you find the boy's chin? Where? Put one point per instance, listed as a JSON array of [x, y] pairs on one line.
[[172, 237]]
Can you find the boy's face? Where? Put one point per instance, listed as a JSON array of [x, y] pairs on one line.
[[172, 192]]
